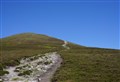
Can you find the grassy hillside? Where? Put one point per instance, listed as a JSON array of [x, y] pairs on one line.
[[89, 65], [25, 45], [80, 64]]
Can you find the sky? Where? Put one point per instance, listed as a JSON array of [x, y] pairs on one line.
[[93, 23]]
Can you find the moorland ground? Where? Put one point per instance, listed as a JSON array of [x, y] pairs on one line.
[[80, 63]]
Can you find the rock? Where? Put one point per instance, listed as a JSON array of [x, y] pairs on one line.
[[1, 80], [37, 69]]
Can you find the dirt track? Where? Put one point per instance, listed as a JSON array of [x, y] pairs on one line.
[[46, 77]]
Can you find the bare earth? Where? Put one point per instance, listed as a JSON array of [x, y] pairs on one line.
[[46, 77]]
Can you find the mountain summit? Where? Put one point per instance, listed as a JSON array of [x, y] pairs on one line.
[[30, 38]]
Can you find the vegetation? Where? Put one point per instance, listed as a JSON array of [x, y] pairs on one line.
[[2, 72], [47, 62], [89, 65], [22, 47], [1, 67], [80, 64], [27, 72], [16, 79]]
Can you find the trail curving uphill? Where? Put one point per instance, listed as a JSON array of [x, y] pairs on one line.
[[40, 68], [65, 45], [46, 77]]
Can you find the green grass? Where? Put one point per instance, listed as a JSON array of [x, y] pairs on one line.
[[33, 45], [15, 47], [80, 64], [27, 72], [89, 65], [2, 72]]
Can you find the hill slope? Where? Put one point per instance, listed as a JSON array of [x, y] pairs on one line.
[[80, 64], [26, 44], [89, 65]]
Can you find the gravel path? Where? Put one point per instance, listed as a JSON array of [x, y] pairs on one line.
[[46, 77], [48, 74], [40, 73]]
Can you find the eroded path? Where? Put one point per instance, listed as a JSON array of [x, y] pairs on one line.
[[39, 68], [46, 77]]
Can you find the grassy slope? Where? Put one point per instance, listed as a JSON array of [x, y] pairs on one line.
[[27, 44], [80, 64], [89, 65]]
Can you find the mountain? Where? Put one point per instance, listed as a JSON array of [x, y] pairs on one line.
[[29, 39], [27, 44], [80, 63]]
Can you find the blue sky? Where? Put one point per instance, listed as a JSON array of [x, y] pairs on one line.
[[86, 22]]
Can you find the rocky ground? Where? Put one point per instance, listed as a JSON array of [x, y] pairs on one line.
[[38, 68]]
